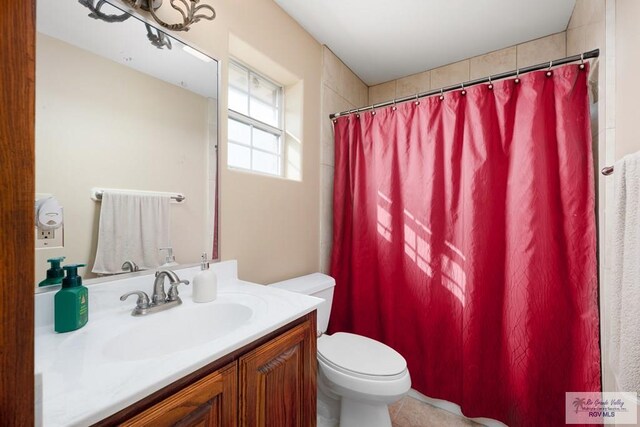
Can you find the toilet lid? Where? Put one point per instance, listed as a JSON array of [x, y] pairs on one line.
[[360, 354]]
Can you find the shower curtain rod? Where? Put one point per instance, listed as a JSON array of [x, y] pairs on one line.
[[587, 55]]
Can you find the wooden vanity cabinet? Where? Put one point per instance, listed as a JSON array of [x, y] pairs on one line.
[[209, 402], [270, 382], [278, 381]]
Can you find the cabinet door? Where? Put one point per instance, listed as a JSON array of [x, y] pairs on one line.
[[208, 402], [278, 380]]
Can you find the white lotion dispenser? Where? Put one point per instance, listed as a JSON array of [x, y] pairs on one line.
[[205, 283], [169, 259]]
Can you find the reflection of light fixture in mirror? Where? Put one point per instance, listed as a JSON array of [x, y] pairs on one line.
[[97, 14], [190, 10], [160, 39], [201, 56]]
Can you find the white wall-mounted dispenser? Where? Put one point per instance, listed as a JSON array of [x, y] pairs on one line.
[[49, 220]]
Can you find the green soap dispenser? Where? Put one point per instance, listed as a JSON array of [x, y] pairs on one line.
[[71, 302], [54, 274]]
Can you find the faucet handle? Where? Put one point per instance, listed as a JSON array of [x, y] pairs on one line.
[[131, 266], [173, 290], [143, 299]]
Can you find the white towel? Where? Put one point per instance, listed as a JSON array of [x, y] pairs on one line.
[[132, 227], [624, 294]]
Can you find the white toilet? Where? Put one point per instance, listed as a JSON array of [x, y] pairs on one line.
[[359, 375]]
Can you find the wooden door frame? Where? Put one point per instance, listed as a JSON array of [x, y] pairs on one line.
[[17, 192]]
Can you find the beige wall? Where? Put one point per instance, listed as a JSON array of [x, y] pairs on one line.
[[270, 225], [102, 124], [341, 90]]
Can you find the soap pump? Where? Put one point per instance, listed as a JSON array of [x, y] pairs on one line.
[[54, 274], [205, 283], [169, 259], [71, 302]]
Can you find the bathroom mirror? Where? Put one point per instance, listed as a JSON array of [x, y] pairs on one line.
[[121, 105]]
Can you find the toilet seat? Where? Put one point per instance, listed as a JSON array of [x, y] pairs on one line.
[[361, 357], [380, 378], [356, 367]]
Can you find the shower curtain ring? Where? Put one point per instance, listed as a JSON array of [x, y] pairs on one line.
[[441, 94], [463, 92], [417, 101], [373, 111], [549, 72], [393, 107], [517, 79], [490, 86], [581, 61]]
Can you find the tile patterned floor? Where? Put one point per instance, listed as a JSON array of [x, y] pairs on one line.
[[410, 412]]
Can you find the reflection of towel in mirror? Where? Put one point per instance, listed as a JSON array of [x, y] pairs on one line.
[[132, 227], [624, 291]]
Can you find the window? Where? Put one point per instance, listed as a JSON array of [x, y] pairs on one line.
[[255, 129]]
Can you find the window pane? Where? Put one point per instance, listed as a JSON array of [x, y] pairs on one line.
[[238, 156], [264, 100], [267, 163], [264, 112], [250, 147], [238, 77], [238, 101], [239, 132], [263, 90], [265, 141]]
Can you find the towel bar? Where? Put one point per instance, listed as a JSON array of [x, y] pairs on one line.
[[96, 194]]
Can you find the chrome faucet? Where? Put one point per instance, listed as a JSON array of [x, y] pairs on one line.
[[159, 296], [131, 266], [159, 299]]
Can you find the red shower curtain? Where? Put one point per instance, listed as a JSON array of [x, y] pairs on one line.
[[464, 237]]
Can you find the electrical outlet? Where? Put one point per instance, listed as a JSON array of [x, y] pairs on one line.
[[48, 234], [50, 238]]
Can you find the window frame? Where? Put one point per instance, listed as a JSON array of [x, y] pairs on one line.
[[254, 123]]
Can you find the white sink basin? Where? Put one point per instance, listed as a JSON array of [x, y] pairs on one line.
[[117, 359], [175, 330]]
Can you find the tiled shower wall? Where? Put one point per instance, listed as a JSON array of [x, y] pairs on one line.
[[343, 90], [499, 61]]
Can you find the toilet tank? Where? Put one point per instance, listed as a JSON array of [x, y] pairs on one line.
[[317, 285]]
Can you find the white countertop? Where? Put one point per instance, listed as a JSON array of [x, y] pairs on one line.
[[84, 380]]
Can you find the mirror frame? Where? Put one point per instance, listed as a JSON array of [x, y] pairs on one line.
[[215, 243]]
